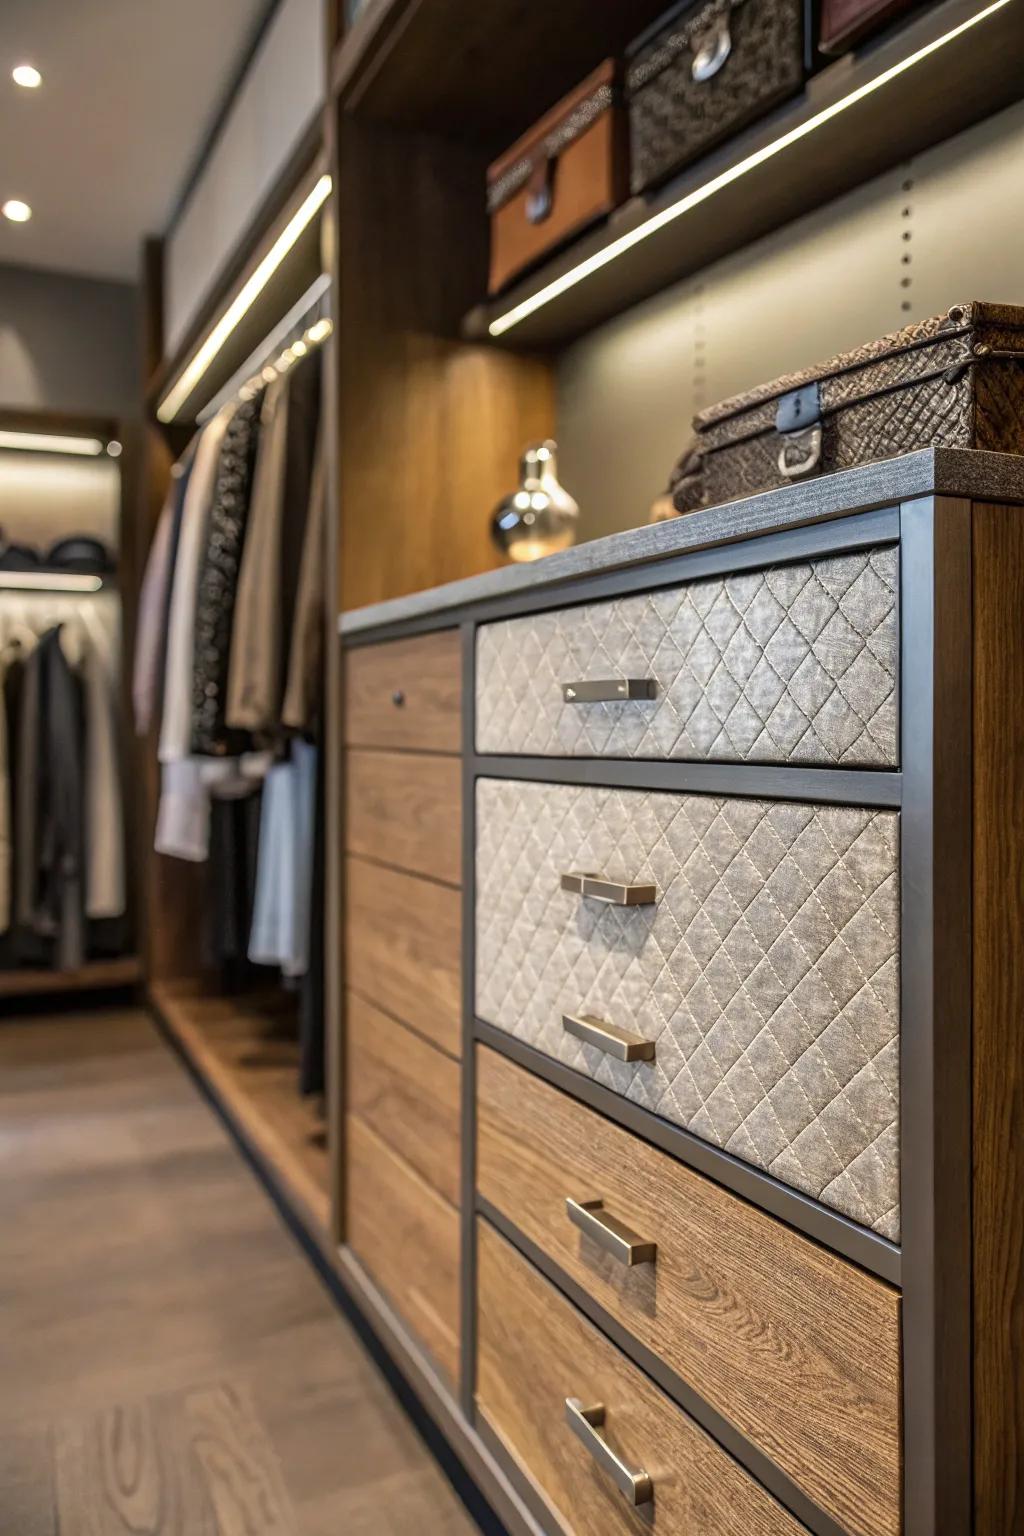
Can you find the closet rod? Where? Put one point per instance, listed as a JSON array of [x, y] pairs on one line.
[[313, 306]]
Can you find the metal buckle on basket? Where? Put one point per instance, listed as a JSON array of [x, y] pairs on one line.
[[800, 453], [711, 49], [798, 423]]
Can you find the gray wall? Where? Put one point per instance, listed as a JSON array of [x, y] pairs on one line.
[[940, 229], [67, 343]]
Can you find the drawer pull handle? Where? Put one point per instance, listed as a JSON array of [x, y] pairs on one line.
[[611, 1235], [635, 1485], [609, 690], [612, 891], [620, 1043]]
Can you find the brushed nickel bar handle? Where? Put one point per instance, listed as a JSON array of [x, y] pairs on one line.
[[620, 1043], [609, 1233], [615, 892], [634, 1484], [609, 690]]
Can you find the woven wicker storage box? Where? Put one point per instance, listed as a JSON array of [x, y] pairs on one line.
[[705, 71], [955, 381]]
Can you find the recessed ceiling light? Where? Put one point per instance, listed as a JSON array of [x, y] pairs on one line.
[[17, 211], [26, 75]]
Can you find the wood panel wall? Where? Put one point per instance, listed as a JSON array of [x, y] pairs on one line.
[[431, 428]]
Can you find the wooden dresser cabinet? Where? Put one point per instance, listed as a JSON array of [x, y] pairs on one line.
[[684, 964]]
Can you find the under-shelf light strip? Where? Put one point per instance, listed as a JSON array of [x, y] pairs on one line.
[[51, 442], [616, 248], [243, 301], [48, 581]]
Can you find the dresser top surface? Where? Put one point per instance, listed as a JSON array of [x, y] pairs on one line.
[[971, 474]]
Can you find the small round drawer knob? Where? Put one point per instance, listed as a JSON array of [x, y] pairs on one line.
[[398, 698]]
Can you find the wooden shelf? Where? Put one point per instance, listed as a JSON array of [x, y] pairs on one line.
[[95, 976], [244, 1050], [958, 84], [480, 70]]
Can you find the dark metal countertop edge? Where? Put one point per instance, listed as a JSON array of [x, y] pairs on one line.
[[958, 472]]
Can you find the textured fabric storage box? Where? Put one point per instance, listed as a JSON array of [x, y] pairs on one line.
[[766, 973], [702, 73], [954, 381], [845, 23], [797, 663], [568, 170]]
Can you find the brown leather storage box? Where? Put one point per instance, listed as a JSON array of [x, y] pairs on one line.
[[845, 23], [568, 170], [954, 381]]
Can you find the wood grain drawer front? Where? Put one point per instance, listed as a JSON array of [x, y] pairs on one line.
[[403, 948], [760, 974], [795, 1347], [405, 809], [795, 664], [405, 694], [535, 1350], [407, 1237], [406, 1091]]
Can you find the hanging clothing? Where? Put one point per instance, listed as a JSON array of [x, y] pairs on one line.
[[154, 597], [176, 725], [182, 828], [303, 689], [58, 905], [269, 581], [8, 658], [249, 687], [218, 580], [284, 874], [105, 884], [312, 1045]]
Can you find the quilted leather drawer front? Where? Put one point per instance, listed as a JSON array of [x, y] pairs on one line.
[[765, 973], [793, 664]]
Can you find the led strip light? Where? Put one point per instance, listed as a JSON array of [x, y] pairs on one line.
[[243, 301], [49, 581], [51, 442], [616, 248]]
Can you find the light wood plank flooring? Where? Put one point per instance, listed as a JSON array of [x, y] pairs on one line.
[[170, 1365]]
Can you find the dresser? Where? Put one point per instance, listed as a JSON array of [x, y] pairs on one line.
[[683, 964]]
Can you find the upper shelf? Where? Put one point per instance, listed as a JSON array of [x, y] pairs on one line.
[[482, 70], [956, 64]]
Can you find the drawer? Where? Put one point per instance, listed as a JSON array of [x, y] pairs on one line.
[[405, 694], [406, 1091], [797, 664], [405, 809], [796, 1348], [407, 1238], [403, 948], [762, 982], [535, 1351]]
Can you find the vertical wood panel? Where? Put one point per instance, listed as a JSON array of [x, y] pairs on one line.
[[431, 429], [998, 1015]]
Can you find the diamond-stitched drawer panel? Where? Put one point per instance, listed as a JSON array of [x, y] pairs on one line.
[[766, 972], [796, 663]]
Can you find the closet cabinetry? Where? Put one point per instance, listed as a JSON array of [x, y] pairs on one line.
[[402, 972], [740, 948]]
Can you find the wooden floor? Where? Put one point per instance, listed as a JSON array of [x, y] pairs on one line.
[[169, 1362], [249, 1052]]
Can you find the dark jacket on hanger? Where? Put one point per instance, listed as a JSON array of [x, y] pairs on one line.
[[218, 580], [50, 839]]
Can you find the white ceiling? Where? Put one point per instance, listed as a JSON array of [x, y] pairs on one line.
[[101, 149]]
